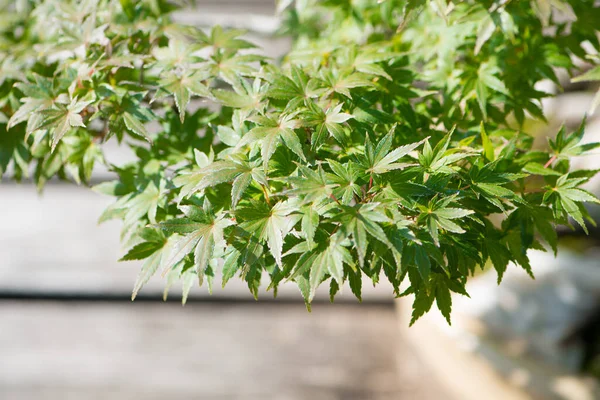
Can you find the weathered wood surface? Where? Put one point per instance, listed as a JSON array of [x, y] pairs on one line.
[[53, 244], [165, 351], [257, 16]]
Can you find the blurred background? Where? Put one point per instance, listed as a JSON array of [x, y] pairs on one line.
[[68, 329]]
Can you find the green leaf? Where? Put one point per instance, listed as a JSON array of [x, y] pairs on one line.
[[542, 219], [566, 146], [329, 261], [61, 118], [136, 126], [437, 216], [239, 172], [488, 148], [231, 265], [443, 299], [154, 250], [543, 9], [270, 225], [149, 268], [380, 159], [239, 186], [484, 32], [200, 233], [439, 159], [143, 203], [539, 169], [310, 222], [181, 88], [342, 82], [141, 251], [355, 282], [499, 255], [485, 81], [188, 278], [566, 198], [274, 134], [304, 287], [313, 186], [591, 75], [491, 189], [334, 288], [421, 305], [360, 222], [345, 179], [233, 99]]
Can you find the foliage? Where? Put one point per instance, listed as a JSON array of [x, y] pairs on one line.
[[388, 141]]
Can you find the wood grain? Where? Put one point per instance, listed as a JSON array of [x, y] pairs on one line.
[[158, 351]]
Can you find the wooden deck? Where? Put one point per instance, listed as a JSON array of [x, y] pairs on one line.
[[222, 347], [71, 350]]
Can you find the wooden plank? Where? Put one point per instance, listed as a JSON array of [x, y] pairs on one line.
[[52, 244], [266, 7], [133, 351]]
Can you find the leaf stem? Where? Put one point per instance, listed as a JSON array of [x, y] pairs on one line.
[[335, 230], [332, 197], [550, 161], [267, 199], [142, 74]]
